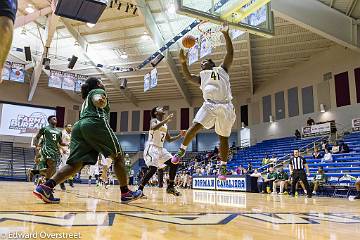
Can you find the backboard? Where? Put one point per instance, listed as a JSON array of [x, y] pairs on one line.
[[253, 16]]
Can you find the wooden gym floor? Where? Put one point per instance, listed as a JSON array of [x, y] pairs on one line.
[[95, 213]]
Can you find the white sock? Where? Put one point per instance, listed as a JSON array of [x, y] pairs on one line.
[[223, 163]]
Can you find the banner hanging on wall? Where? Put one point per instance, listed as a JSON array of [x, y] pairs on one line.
[[17, 73], [23, 121]]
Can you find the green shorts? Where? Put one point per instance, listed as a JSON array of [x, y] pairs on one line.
[[42, 164], [89, 137], [50, 154]]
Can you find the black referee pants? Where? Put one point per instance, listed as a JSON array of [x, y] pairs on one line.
[[300, 175]]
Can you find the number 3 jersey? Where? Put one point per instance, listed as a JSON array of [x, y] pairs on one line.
[[215, 85], [51, 138], [157, 137]]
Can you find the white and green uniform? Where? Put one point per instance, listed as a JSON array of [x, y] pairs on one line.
[[155, 154]]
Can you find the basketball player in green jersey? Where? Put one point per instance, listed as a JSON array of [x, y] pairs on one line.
[[50, 152], [91, 135]]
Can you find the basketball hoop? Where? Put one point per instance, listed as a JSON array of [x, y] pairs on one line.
[[211, 32]]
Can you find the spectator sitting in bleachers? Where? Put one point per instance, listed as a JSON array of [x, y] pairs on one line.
[[344, 148], [320, 179], [265, 160], [281, 180], [273, 159], [324, 145], [240, 170], [260, 181], [335, 148], [327, 156], [270, 178], [297, 134], [233, 146], [316, 154], [249, 169]]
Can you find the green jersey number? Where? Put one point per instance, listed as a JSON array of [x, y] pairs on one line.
[[215, 76], [53, 136]]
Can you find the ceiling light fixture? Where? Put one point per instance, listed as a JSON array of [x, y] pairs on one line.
[[29, 9], [123, 55], [171, 9], [90, 25], [322, 108]]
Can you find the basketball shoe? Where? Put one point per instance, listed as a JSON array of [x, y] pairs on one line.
[[177, 157], [130, 196], [45, 194], [173, 191]]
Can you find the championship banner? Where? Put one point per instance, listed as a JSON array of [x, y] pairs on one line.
[[356, 124], [23, 121], [6, 71], [17, 73], [204, 183], [79, 81], [193, 54], [147, 82], [153, 78], [68, 82], [232, 183], [235, 33], [205, 47], [55, 79]]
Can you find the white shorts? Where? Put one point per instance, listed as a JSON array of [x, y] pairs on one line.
[[156, 156], [94, 170], [64, 158], [106, 162], [221, 115]]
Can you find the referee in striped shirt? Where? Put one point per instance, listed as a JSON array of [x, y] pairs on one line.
[[297, 167]]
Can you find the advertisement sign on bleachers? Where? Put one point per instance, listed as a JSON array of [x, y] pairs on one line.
[[356, 124], [204, 183], [233, 183], [317, 129]]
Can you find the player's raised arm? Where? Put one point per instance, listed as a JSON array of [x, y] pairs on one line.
[[99, 100], [177, 137], [229, 49], [190, 77], [155, 126]]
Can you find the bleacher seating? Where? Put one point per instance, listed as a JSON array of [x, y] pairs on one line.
[[343, 163], [14, 161], [280, 147]]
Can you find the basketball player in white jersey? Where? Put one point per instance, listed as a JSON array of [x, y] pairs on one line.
[[94, 172], [217, 109], [65, 151], [155, 155], [106, 164]]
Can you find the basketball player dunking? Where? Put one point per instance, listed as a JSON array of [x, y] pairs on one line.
[[217, 109], [155, 155]]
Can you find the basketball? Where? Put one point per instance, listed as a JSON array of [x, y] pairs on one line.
[[188, 41]]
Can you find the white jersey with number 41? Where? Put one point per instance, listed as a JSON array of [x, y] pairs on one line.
[[157, 137], [215, 85]]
